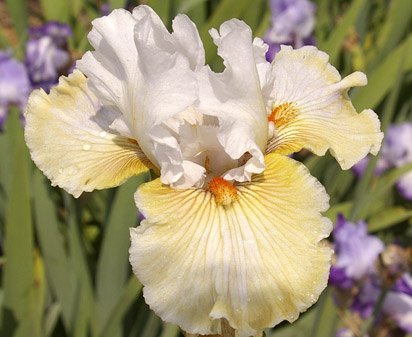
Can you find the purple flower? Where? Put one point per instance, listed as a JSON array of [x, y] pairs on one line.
[[339, 278], [356, 251], [397, 148], [14, 85], [344, 332], [367, 297], [292, 23], [46, 53], [398, 303], [105, 9], [381, 166], [396, 152], [404, 185]]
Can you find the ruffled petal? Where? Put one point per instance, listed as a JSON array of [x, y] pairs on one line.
[[254, 263], [141, 70], [311, 109], [71, 141], [235, 98], [187, 37]]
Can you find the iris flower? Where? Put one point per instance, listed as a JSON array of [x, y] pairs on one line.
[[233, 227]]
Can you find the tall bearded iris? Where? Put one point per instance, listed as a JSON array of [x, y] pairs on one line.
[[233, 226]]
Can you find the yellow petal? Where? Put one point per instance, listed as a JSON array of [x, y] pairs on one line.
[[311, 109], [255, 262], [72, 143]]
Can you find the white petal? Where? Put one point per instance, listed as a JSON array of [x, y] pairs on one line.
[[234, 96], [71, 140], [187, 36], [137, 68], [254, 263], [321, 115]]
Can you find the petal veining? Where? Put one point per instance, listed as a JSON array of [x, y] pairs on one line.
[[71, 140], [310, 108], [255, 262]]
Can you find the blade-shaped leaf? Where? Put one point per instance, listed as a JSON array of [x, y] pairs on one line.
[[19, 314], [113, 265], [388, 217], [52, 243], [335, 41]]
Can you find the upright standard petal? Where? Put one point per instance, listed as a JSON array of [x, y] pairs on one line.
[[235, 98], [146, 74], [136, 68], [71, 141], [310, 108], [253, 263]]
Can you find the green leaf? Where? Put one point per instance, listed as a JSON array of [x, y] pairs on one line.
[[163, 9], [253, 13], [327, 318], [56, 10], [4, 43], [382, 186], [52, 243], [363, 184], [388, 217], [52, 316], [264, 25], [117, 4], [195, 9], [184, 6], [85, 311], [18, 13], [337, 181], [6, 150], [343, 208], [384, 76], [170, 330], [396, 23], [225, 10], [129, 295], [113, 265], [335, 41], [301, 327], [76, 7], [152, 326], [19, 311]]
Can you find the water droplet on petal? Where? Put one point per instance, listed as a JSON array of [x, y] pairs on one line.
[[87, 147], [72, 170]]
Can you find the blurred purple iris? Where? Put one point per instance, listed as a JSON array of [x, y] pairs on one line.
[[46, 58], [355, 272], [14, 85], [397, 304], [46, 53], [356, 252], [292, 24], [344, 333], [396, 152]]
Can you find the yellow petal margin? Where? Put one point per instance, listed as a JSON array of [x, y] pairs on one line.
[[253, 263], [73, 145], [311, 109]]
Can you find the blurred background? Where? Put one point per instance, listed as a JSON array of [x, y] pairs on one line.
[[64, 262]]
